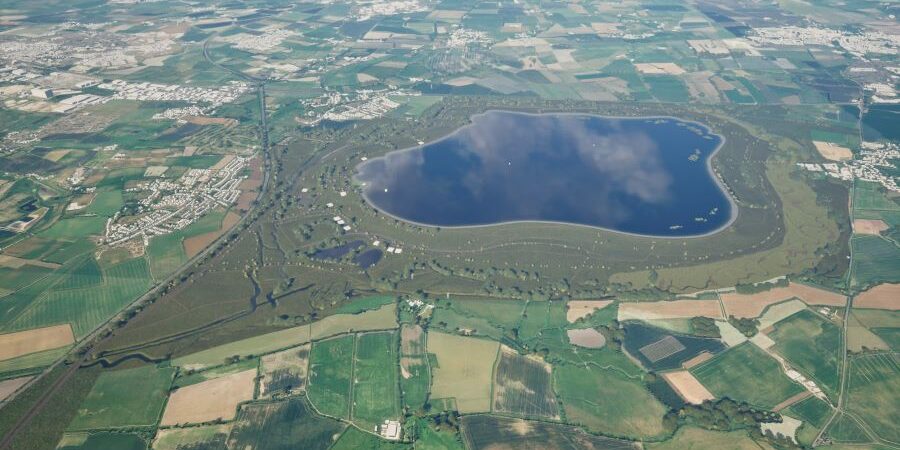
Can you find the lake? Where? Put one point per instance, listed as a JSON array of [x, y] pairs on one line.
[[647, 176]]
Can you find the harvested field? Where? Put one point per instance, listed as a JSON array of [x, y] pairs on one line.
[[195, 244], [659, 68], [203, 120], [752, 305], [483, 432], [21, 343], [833, 152], [463, 375], [8, 387], [577, 309], [883, 296], [730, 335], [688, 387], [412, 340], [779, 312], [670, 309], [210, 436], [210, 400], [523, 385], [383, 318], [869, 226], [284, 372], [702, 357], [792, 400], [586, 337]]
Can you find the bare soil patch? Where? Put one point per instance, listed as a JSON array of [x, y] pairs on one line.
[[7, 387], [791, 400], [21, 343], [833, 152], [670, 309], [752, 305], [869, 226], [883, 296], [586, 337], [202, 120], [697, 360], [578, 309], [659, 68], [196, 244], [688, 387], [210, 400]]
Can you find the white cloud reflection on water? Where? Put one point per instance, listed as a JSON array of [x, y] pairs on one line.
[[547, 167]]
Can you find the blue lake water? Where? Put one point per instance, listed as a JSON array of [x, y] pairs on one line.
[[646, 176]]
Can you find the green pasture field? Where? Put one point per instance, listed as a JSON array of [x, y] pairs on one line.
[[330, 369], [85, 274], [429, 438], [375, 390], [746, 373], [188, 379], [690, 438], [76, 227], [875, 260], [383, 318], [166, 253], [415, 378], [607, 402], [452, 321], [289, 424], [846, 429], [462, 375], [873, 385], [378, 319], [539, 316], [92, 441], [353, 439], [482, 432], [12, 279], [106, 203], [811, 410], [31, 363], [811, 344], [205, 437], [523, 386], [365, 304], [86, 308], [868, 195], [258, 345], [124, 398]]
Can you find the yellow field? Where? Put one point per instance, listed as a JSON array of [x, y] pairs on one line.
[[21, 343], [576, 309], [670, 309], [688, 387], [752, 305], [883, 296], [465, 370], [210, 400]]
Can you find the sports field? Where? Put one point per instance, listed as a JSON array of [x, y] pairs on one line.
[[746, 373], [124, 398], [463, 375]]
